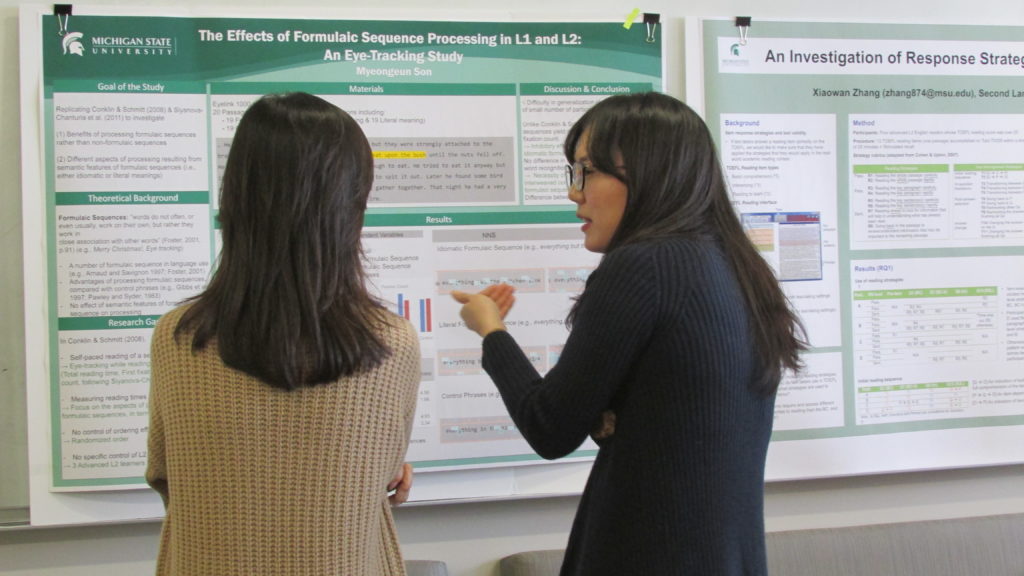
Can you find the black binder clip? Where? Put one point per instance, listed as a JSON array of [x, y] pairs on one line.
[[651, 22], [743, 23], [62, 10]]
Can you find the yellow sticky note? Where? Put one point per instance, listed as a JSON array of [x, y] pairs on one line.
[[629, 19]]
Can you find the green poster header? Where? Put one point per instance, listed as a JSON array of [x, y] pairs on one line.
[[583, 89], [107, 323], [988, 167], [101, 198], [926, 293], [124, 86], [900, 168], [471, 218], [120, 49], [377, 88], [911, 387]]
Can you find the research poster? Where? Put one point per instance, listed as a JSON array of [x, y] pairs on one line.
[[880, 169], [466, 121]]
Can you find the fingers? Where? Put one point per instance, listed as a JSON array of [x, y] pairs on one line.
[[494, 289], [499, 293], [402, 485], [407, 475], [505, 303], [503, 296], [404, 476], [604, 428], [485, 311], [399, 497]]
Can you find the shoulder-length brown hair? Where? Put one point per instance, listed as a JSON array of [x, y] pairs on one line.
[[288, 302]]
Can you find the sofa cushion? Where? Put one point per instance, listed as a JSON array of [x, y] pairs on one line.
[[425, 568], [986, 545], [532, 563], [979, 546]]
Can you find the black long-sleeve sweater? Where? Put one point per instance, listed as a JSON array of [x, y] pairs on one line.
[[662, 337]]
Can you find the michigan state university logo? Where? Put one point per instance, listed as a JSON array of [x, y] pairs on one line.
[[73, 43], [76, 43]]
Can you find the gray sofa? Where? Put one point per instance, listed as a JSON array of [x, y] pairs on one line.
[[980, 546], [425, 568]]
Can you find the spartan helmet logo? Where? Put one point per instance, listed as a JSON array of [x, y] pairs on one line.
[[72, 44]]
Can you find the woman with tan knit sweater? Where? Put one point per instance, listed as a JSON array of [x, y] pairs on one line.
[[282, 396]]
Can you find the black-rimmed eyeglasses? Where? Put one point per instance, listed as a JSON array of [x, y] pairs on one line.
[[576, 176]]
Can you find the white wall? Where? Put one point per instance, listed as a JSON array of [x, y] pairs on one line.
[[471, 537]]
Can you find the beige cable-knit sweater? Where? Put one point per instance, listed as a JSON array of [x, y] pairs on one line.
[[258, 480]]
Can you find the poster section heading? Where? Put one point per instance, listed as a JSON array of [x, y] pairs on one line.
[[845, 56]]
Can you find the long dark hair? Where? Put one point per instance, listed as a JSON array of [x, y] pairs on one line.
[[675, 187], [288, 302]]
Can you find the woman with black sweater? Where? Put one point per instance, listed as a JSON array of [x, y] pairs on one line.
[[677, 346]]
